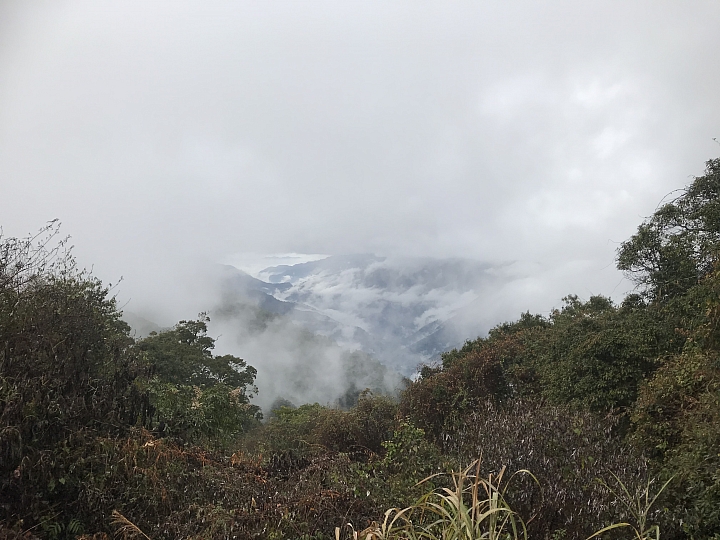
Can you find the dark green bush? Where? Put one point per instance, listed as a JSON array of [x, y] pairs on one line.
[[195, 395], [595, 355], [444, 397], [677, 420], [362, 429], [65, 376]]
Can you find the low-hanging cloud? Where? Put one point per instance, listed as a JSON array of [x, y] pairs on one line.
[[167, 135]]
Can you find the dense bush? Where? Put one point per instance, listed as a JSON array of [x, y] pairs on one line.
[[65, 375], [566, 450], [594, 355], [363, 428], [171, 491], [591, 355], [311, 428], [446, 396], [676, 420], [676, 417]]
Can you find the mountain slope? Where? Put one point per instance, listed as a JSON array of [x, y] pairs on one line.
[[399, 310]]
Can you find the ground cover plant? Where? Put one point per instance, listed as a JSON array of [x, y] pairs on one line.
[[613, 411]]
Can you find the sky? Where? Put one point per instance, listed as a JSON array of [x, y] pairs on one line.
[[164, 135]]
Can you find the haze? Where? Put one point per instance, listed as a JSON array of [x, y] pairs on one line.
[[170, 135]]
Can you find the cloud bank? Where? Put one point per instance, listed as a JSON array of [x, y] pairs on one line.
[[167, 135]]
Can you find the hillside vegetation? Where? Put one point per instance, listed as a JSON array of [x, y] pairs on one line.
[[601, 404]]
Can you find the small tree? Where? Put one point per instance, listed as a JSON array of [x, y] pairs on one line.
[[678, 244], [197, 395]]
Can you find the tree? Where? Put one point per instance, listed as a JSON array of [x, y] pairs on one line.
[[596, 354], [678, 244], [197, 395], [183, 355]]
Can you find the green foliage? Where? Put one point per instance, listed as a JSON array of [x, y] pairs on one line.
[[675, 393], [676, 419], [409, 451], [363, 428], [444, 397], [66, 373], [215, 415], [197, 396], [56, 530], [309, 428], [170, 491], [477, 507], [677, 414], [590, 355], [183, 355], [288, 429], [678, 245], [595, 355]]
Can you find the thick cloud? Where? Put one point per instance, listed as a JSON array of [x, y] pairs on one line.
[[168, 134]]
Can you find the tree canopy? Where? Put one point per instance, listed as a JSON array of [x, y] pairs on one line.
[[183, 355], [678, 245], [197, 395]]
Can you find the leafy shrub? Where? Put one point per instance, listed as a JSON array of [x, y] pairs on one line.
[[197, 396], [566, 449], [676, 419], [65, 374], [363, 428], [176, 491], [434, 402], [312, 428], [288, 429], [214, 416], [595, 355], [408, 452], [589, 355]]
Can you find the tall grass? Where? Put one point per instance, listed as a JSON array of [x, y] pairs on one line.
[[125, 528], [474, 507], [639, 506]]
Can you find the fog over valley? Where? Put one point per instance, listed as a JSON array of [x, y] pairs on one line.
[[343, 186], [316, 330]]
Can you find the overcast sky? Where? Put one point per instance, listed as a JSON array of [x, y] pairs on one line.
[[162, 134]]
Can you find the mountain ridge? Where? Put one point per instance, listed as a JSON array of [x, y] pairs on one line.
[[400, 310]]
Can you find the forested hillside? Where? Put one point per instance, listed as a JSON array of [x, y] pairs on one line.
[[578, 419]]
